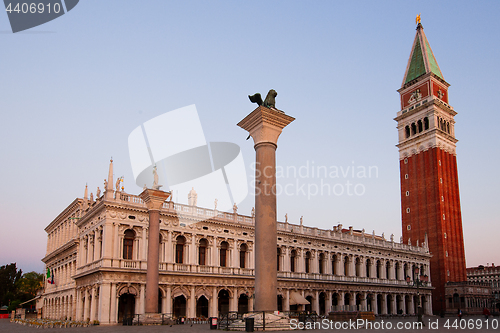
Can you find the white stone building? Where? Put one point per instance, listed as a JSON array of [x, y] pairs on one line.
[[486, 276], [96, 252]]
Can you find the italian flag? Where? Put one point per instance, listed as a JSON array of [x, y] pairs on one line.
[[50, 276]]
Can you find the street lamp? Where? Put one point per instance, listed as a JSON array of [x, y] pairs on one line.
[[419, 281]]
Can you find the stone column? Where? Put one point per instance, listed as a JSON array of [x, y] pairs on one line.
[[214, 256], [105, 303], [383, 304], [142, 298], [214, 311], [340, 301], [394, 308], [339, 262], [428, 305], [362, 267], [97, 249], [154, 201], [192, 256], [375, 303], [265, 126], [250, 304], [411, 310], [86, 306], [93, 304], [114, 300], [235, 255], [143, 250], [363, 301], [168, 297], [233, 300], [191, 313], [316, 302], [286, 306]]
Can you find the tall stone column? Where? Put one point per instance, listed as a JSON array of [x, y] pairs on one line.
[[113, 305], [154, 201], [265, 126]]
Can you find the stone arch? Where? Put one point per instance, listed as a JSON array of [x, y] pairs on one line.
[[224, 295], [128, 290], [180, 291], [201, 291], [229, 290]]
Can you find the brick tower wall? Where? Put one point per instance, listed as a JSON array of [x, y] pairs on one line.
[[431, 193]]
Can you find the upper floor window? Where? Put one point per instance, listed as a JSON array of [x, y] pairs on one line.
[[293, 255], [243, 253], [321, 262], [224, 246], [308, 259], [202, 252], [179, 250], [278, 259], [128, 244]]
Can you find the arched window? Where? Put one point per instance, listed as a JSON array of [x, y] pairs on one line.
[[243, 253], [346, 266], [334, 269], [420, 126], [426, 123], [202, 252], [128, 244], [224, 246], [321, 262], [379, 267], [278, 259], [179, 250], [358, 267], [387, 269], [293, 255], [407, 131], [413, 129], [448, 128], [368, 264], [307, 261]]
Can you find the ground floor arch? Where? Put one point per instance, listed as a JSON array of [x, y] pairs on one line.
[[179, 308], [126, 306], [202, 307], [223, 301]]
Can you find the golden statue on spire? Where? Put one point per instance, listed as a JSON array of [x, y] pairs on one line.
[[417, 19]]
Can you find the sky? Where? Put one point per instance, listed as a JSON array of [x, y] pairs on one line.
[[73, 89]]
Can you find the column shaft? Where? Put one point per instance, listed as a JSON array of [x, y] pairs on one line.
[[265, 228], [152, 273]]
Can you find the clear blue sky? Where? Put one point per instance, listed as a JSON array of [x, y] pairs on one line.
[[73, 89]]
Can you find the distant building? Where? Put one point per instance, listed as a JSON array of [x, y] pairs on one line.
[[490, 276], [96, 254]]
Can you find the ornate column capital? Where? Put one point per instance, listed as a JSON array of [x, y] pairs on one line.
[[154, 199], [265, 125]]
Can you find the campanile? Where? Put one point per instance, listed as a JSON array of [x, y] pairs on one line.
[[430, 201]]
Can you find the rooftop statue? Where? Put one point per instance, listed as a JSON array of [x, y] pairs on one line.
[[156, 186], [269, 102]]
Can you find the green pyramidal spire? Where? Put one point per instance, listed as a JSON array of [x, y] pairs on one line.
[[422, 60]]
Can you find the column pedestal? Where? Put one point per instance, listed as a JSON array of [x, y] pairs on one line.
[[265, 126]]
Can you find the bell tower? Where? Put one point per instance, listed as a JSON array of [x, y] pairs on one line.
[[430, 201]]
